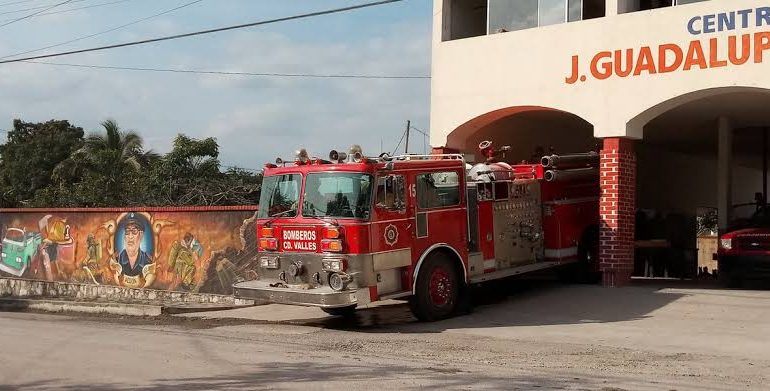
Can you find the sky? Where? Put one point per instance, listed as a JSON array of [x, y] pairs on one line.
[[254, 119]]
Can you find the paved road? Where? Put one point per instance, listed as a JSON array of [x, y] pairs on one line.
[[547, 337]]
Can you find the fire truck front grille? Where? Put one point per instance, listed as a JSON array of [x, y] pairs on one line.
[[754, 243]]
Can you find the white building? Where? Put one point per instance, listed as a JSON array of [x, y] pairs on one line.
[[677, 93]]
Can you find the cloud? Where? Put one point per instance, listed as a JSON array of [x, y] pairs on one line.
[[285, 114], [253, 118]]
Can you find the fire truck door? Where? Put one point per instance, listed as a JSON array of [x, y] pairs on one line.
[[391, 234], [439, 211]]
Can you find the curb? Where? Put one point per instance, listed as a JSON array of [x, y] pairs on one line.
[[84, 307], [193, 308]]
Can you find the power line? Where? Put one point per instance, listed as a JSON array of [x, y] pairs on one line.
[[420, 131], [216, 30], [34, 8], [106, 31], [232, 73], [77, 8], [36, 13], [16, 2], [399, 143]]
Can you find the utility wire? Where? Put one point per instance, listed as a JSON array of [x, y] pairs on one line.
[[16, 2], [35, 8], [36, 13], [105, 31], [232, 73], [420, 131], [399, 143], [424, 137], [203, 32], [78, 8]]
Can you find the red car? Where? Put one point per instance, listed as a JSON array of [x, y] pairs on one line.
[[744, 251]]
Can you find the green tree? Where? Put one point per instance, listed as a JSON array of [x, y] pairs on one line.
[[190, 174], [31, 155], [110, 166]]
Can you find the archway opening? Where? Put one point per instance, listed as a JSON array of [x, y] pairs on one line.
[[699, 169], [529, 131]]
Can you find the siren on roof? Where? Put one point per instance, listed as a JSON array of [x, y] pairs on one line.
[[357, 153], [338, 157]]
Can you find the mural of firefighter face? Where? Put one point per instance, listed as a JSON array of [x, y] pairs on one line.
[[197, 251], [133, 267]]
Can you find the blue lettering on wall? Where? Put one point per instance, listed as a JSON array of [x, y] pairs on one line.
[[763, 16], [728, 21], [744, 18], [691, 25]]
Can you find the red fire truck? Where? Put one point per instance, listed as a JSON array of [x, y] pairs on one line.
[[352, 230]]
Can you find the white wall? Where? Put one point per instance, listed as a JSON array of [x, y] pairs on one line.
[[478, 75]]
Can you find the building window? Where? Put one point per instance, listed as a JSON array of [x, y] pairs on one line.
[[506, 15], [644, 5], [512, 15], [472, 18], [683, 2]]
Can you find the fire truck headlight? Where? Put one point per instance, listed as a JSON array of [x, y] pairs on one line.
[[333, 265], [269, 262], [726, 244], [338, 281]]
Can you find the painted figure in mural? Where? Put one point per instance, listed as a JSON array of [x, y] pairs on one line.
[[57, 247], [89, 270], [182, 259], [134, 267]]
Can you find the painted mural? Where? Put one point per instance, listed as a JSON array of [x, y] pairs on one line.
[[191, 251]]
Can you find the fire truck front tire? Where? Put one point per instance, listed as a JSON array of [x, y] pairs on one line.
[[437, 293]]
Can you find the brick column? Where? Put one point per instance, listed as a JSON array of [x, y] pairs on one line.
[[617, 208]]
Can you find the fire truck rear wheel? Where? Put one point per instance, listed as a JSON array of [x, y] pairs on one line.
[[437, 291], [341, 311]]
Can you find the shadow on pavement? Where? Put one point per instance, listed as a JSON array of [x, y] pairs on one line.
[[304, 375], [519, 303]]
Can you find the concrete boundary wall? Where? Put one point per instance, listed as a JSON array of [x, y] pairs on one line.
[[31, 289], [171, 254]]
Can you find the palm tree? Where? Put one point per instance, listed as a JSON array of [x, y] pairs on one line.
[[110, 162], [121, 149]]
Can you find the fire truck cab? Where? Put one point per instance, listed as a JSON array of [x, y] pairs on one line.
[[352, 230]]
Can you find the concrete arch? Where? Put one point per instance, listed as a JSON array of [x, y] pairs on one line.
[[635, 126], [458, 137]]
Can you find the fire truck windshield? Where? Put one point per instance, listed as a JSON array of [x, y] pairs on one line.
[[338, 195], [280, 196]]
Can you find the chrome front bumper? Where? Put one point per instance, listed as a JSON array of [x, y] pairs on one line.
[[324, 296]]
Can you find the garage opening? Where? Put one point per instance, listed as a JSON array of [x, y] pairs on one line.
[[688, 191], [531, 133]]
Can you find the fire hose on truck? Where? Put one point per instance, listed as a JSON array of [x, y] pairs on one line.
[[349, 230]]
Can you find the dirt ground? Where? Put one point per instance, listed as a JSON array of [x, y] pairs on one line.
[[522, 336]]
